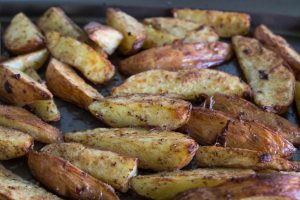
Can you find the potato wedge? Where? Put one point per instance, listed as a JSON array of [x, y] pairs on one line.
[[297, 99], [33, 60], [157, 38], [178, 56], [132, 30], [109, 167], [245, 110], [201, 34], [64, 82], [13, 187], [66, 179], [172, 150], [185, 84], [166, 185], [22, 120], [142, 111], [273, 84], [213, 156], [91, 64], [22, 36], [226, 24]]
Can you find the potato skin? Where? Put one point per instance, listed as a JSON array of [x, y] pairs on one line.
[[64, 82], [172, 150], [66, 179], [148, 111], [184, 84]]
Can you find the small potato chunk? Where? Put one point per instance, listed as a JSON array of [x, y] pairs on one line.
[[22, 36], [142, 111], [226, 24], [109, 167], [157, 38], [91, 64], [185, 84], [273, 84], [64, 82], [178, 56], [22, 120], [155, 150], [166, 185], [132, 30], [63, 178]]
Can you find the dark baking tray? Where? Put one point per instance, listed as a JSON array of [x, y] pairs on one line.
[[282, 16]]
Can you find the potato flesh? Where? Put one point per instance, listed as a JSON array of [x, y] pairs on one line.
[[157, 38]]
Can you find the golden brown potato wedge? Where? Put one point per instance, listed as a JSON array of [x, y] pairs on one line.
[[273, 84], [166, 185], [13, 187], [63, 178], [20, 119], [226, 24], [142, 111], [258, 187], [156, 150], [213, 156], [91, 64], [157, 38], [64, 82], [185, 84], [178, 56], [297, 99], [132, 30], [109, 167]]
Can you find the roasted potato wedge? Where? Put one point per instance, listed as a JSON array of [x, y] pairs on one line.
[[91, 64], [67, 180], [273, 84], [166, 185], [213, 156], [258, 187], [172, 150], [185, 84], [245, 110], [64, 82], [226, 24], [132, 30], [157, 38], [178, 56], [297, 99], [142, 111], [22, 36], [13, 187], [109, 167], [20, 119]]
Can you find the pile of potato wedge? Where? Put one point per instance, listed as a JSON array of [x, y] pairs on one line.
[[172, 110]]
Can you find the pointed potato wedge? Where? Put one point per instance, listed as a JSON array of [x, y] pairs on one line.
[[20, 119], [142, 111], [109, 167], [166, 185], [226, 24], [91, 64], [13, 187], [273, 84], [213, 156], [64, 82], [185, 84], [157, 38], [178, 56], [132, 30], [66, 179], [155, 150]]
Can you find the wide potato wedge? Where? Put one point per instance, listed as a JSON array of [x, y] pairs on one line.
[[226, 24], [132, 30], [157, 38], [185, 84], [64, 82], [273, 84], [155, 150], [22, 120], [166, 185], [178, 56], [63, 178], [109, 167], [142, 111]]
